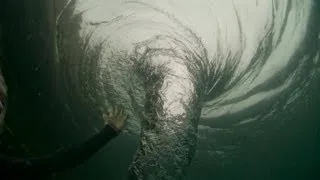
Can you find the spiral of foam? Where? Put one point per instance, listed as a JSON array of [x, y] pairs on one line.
[[177, 65]]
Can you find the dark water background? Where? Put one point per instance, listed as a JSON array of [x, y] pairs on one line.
[[39, 122]]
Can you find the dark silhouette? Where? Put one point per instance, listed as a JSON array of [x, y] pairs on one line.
[[62, 159], [65, 158]]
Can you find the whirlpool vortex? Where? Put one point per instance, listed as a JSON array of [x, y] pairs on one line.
[[186, 71]]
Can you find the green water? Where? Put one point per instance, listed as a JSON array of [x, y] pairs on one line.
[[37, 116]]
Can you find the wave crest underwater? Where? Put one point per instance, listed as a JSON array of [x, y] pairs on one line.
[[186, 72]]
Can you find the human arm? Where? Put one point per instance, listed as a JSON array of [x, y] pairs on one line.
[[70, 157]]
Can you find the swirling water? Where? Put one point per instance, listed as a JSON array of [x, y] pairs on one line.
[[243, 64]]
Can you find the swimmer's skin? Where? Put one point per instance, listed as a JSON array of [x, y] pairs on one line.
[[63, 159]]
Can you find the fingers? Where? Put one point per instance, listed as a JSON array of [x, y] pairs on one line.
[[121, 112], [118, 110], [115, 113]]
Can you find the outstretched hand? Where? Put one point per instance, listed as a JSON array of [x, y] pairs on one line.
[[115, 117]]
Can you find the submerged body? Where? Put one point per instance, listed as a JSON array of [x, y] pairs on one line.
[[65, 158], [61, 160]]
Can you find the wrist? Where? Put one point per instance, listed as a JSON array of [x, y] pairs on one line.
[[113, 127]]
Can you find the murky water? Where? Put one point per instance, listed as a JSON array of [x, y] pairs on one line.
[[214, 89]]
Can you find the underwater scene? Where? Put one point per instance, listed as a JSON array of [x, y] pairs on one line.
[[170, 89]]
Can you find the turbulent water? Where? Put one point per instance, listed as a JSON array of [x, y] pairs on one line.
[[188, 72]]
